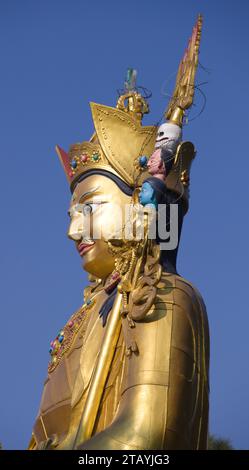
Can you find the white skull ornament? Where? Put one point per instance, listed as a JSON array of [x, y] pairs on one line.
[[168, 136]]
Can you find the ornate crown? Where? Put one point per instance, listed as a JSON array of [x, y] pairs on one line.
[[116, 146], [121, 144]]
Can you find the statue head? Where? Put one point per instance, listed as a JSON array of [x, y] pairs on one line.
[[168, 136], [105, 172], [153, 192]]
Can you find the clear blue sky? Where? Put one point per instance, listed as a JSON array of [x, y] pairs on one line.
[[56, 56]]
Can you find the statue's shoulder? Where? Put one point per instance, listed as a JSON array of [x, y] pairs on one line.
[[179, 296], [178, 288]]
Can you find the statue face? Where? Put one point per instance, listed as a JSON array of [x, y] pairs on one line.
[[155, 164], [97, 205], [146, 195]]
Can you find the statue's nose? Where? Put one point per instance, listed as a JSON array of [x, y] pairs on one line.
[[75, 230]]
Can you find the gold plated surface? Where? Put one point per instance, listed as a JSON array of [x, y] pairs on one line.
[[183, 94], [170, 373]]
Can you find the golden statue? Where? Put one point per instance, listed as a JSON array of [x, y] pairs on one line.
[[130, 368]]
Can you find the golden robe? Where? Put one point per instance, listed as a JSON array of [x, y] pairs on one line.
[[155, 399]]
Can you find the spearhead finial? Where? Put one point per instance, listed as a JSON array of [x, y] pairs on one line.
[[183, 95], [130, 82]]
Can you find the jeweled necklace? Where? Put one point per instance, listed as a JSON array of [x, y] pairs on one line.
[[65, 337]]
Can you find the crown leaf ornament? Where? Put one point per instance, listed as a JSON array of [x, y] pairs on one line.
[[123, 139]]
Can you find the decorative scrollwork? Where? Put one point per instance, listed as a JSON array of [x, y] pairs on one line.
[[143, 296]]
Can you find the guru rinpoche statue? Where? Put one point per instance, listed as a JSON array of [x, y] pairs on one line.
[[129, 370]]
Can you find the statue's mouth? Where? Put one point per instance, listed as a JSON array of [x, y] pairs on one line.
[[84, 247], [161, 142]]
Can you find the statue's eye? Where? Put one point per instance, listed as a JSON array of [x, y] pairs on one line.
[[160, 134], [87, 209]]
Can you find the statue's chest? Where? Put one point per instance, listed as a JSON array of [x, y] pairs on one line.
[[72, 354], [67, 336]]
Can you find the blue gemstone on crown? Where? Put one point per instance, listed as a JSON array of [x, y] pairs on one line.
[[73, 164]]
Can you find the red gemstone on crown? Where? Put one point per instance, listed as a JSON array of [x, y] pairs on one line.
[[84, 158]]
